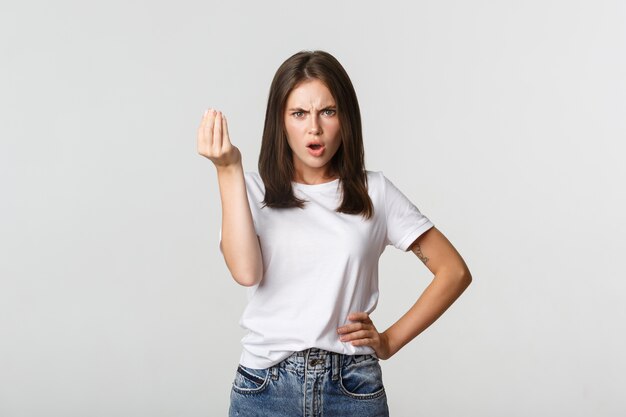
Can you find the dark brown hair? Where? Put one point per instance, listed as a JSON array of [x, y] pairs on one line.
[[276, 158]]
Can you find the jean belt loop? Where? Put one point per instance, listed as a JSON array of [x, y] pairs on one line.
[[336, 364], [274, 372]]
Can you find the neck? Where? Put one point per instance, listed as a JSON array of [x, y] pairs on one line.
[[313, 178]]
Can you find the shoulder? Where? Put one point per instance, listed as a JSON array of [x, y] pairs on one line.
[[376, 180], [389, 190], [374, 176], [375, 186]]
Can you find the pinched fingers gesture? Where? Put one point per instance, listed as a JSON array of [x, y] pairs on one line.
[[363, 333], [214, 141]]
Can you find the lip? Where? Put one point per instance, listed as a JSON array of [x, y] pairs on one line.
[[317, 152]]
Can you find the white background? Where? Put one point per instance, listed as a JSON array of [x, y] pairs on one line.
[[503, 121]]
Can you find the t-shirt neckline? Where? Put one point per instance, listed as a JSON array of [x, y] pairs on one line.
[[316, 187]]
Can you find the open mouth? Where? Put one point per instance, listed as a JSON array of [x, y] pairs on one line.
[[316, 149]]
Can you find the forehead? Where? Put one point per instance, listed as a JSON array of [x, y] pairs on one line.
[[310, 92]]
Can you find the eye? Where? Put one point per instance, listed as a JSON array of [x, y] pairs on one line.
[[330, 112], [297, 113]]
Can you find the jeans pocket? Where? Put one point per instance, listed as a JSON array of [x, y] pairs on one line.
[[250, 380], [362, 379]]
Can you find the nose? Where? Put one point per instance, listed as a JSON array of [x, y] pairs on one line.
[[315, 128]]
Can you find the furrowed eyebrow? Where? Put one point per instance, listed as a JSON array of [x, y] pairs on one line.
[[331, 107]]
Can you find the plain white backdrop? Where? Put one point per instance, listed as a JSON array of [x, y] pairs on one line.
[[503, 121]]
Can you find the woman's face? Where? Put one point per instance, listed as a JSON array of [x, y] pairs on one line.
[[311, 118]]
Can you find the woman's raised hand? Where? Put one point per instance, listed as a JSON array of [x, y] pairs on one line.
[[214, 142]]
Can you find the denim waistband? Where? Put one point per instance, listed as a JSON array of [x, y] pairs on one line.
[[319, 360]]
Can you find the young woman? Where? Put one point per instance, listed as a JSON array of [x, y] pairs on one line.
[[305, 234]]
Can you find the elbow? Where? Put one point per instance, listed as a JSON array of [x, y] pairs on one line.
[[465, 278], [247, 281], [246, 270], [248, 278], [461, 278]]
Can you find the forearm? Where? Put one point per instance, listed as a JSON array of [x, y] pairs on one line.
[[240, 244], [445, 288]]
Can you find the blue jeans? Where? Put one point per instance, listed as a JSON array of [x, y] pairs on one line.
[[311, 383]]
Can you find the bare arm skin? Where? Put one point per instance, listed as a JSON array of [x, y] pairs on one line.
[[240, 244], [452, 277]]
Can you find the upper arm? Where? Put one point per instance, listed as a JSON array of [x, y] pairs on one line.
[[437, 253]]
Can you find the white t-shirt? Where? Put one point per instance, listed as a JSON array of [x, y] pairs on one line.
[[319, 266]]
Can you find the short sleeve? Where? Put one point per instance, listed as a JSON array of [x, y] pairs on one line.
[[405, 222]]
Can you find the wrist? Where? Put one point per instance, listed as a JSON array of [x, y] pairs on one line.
[[390, 343], [229, 169]]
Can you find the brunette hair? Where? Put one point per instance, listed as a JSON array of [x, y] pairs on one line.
[[276, 158]]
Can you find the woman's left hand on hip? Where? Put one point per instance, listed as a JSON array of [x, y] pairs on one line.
[[364, 333]]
